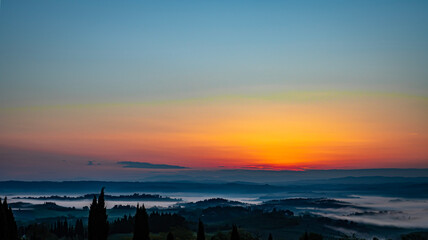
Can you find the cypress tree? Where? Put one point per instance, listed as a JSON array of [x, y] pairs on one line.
[[13, 229], [137, 223], [92, 224], [8, 228], [170, 236], [102, 216], [97, 221], [235, 233], [141, 225], [201, 231], [3, 232]]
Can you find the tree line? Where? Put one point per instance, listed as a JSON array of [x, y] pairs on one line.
[[63, 229], [158, 222], [98, 225]]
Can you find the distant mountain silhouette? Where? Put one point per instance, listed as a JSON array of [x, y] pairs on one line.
[[383, 186]]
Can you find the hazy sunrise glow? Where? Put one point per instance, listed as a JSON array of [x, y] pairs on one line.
[[212, 85]]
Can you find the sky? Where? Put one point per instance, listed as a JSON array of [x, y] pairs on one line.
[[110, 88]]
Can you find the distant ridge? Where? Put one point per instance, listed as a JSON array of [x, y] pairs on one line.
[[373, 185]]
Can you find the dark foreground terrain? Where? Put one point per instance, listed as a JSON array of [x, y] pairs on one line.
[[340, 208], [281, 218]]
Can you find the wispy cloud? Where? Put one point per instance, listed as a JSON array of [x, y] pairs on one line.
[[129, 164]]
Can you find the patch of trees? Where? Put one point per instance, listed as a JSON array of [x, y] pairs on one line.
[[63, 229], [213, 202], [123, 207], [37, 231], [249, 217], [236, 234], [415, 236], [306, 202], [122, 225], [163, 222], [158, 222], [55, 207]]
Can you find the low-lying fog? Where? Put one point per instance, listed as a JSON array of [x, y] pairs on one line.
[[185, 197], [399, 212]]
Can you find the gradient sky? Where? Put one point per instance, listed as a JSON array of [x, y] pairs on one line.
[[98, 86]]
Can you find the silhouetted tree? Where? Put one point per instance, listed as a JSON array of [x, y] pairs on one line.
[[37, 231], [201, 231], [8, 228], [304, 236], [235, 233], [270, 236], [97, 221], [141, 226], [92, 224], [79, 230], [170, 236], [311, 236], [66, 230], [102, 216], [3, 222]]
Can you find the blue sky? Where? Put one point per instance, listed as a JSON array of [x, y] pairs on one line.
[[121, 51]]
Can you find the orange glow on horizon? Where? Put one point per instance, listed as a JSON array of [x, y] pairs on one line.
[[251, 134]]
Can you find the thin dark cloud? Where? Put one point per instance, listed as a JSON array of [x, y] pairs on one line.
[[92, 163], [129, 164]]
